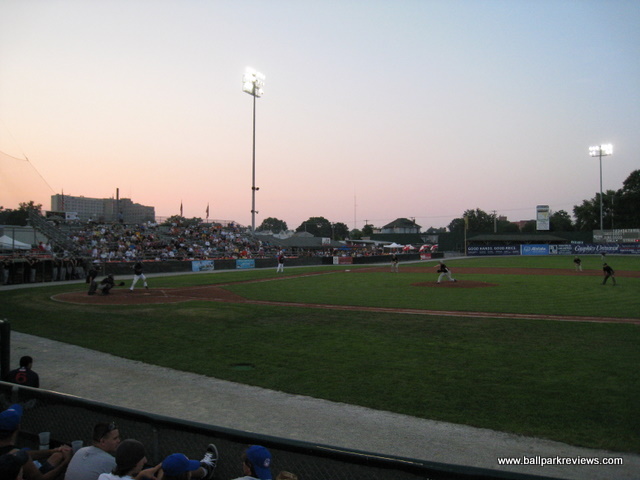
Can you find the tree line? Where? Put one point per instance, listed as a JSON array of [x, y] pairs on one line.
[[621, 209]]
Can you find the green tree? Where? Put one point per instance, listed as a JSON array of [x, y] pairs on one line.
[[274, 225], [367, 230], [339, 231], [505, 226], [20, 215], [529, 227], [626, 204], [588, 213], [560, 221], [355, 234], [478, 220], [317, 226]]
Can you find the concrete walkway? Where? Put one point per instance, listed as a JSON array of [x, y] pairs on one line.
[[106, 378]]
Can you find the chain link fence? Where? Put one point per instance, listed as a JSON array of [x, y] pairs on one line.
[[70, 418]]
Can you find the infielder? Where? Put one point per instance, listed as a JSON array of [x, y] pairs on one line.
[[608, 273], [138, 275]]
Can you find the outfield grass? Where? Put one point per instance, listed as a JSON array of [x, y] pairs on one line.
[[572, 382]]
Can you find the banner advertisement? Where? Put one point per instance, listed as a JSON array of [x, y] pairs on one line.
[[563, 249], [476, 250], [342, 260], [425, 256], [534, 249], [542, 217], [201, 265], [246, 263], [607, 248]]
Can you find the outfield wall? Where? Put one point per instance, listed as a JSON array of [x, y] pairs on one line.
[[553, 249]]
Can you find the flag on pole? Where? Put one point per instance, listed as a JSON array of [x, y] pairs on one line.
[[181, 208], [207, 210]]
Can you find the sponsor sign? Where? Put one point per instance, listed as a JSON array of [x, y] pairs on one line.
[[342, 260], [478, 250], [425, 256], [246, 263], [201, 265], [608, 248], [564, 249], [534, 249], [542, 217]]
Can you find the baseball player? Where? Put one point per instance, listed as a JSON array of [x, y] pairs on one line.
[[578, 263], [280, 268], [394, 263], [444, 271], [138, 275], [608, 272]]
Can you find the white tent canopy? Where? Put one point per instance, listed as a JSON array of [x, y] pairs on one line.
[[394, 245], [8, 243]]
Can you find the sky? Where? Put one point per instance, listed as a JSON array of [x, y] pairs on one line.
[[372, 110]]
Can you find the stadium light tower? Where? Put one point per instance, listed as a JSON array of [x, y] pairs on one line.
[[252, 83], [601, 151]]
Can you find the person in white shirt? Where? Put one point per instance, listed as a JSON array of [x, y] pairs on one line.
[[89, 462]]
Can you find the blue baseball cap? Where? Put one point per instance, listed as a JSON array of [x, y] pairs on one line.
[[10, 418], [260, 459], [178, 464]]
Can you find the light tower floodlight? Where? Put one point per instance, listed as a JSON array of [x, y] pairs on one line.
[[601, 151], [253, 83]]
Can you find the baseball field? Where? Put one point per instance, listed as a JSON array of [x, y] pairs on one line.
[[518, 344]]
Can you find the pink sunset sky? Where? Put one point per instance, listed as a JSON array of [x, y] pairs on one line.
[[372, 110]]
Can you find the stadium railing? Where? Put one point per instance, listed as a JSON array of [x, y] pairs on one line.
[[70, 418]]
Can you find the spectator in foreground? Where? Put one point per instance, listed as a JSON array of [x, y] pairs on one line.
[[11, 465], [256, 463], [130, 461], [51, 463], [24, 375], [178, 467], [89, 462]]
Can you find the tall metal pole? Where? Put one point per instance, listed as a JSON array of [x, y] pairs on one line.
[[601, 222], [253, 174]]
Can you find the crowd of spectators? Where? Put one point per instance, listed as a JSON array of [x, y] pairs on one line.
[[110, 458], [150, 241]]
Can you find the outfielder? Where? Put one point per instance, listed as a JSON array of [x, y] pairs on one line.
[[138, 275], [280, 268], [443, 270]]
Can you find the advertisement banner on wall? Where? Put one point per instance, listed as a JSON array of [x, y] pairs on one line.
[[201, 265], [246, 263], [606, 248], [564, 249], [478, 250], [342, 260], [542, 217], [534, 249]]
